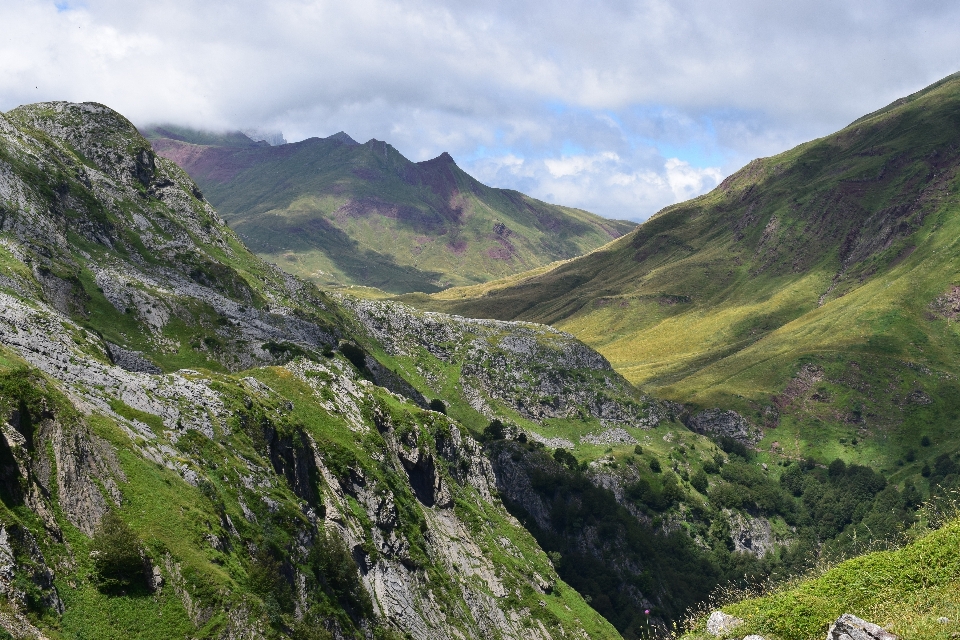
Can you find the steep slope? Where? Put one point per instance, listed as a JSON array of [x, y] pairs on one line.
[[910, 591], [338, 212], [813, 291], [269, 490]]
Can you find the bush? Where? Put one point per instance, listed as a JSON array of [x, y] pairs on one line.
[[699, 481], [565, 458], [638, 450], [733, 447], [335, 571], [494, 430], [438, 405], [118, 559], [655, 465], [925, 441]]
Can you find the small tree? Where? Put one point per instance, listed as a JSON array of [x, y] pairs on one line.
[[494, 430], [118, 559], [438, 405]]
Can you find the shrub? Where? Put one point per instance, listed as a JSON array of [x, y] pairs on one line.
[[925, 441], [118, 559], [733, 447], [438, 405], [638, 450], [699, 481], [655, 465], [494, 430], [565, 458]]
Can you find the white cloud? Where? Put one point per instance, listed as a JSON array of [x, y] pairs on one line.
[[712, 84], [603, 182]]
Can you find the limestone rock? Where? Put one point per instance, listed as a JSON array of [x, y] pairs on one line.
[[850, 627], [724, 423], [720, 623]]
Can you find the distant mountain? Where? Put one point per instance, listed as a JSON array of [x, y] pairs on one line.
[[815, 291], [339, 212]]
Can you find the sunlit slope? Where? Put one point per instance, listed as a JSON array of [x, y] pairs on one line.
[[339, 212], [912, 591], [841, 244]]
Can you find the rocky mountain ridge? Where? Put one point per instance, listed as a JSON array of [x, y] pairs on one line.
[[159, 380], [338, 212]]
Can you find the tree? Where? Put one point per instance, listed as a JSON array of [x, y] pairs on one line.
[[494, 430], [699, 481], [118, 558], [438, 405]]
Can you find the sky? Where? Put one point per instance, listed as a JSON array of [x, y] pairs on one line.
[[618, 107]]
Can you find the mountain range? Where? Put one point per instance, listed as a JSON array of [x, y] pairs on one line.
[[815, 292], [338, 212], [195, 443]]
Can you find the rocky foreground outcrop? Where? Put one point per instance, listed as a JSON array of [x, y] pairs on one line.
[[153, 368]]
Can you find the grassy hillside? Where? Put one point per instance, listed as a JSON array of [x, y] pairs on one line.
[[338, 212], [815, 292], [192, 443], [907, 591]]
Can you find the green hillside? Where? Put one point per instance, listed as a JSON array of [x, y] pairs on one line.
[[910, 591], [338, 212], [194, 444], [815, 292]]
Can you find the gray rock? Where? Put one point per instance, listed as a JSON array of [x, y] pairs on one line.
[[850, 627], [754, 637], [131, 360], [720, 623], [724, 423]]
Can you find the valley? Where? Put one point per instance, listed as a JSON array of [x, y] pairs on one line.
[[716, 410]]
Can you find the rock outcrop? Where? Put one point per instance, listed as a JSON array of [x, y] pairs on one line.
[[850, 627], [153, 368], [720, 623]]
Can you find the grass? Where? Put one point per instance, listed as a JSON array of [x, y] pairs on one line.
[[906, 590], [721, 300]]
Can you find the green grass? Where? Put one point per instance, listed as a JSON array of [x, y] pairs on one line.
[[717, 301], [906, 590]]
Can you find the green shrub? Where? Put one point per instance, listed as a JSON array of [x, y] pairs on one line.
[[699, 481], [655, 465], [494, 430], [438, 405], [565, 458], [118, 558]]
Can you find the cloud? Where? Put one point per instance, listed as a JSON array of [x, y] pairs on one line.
[[709, 84], [603, 182]]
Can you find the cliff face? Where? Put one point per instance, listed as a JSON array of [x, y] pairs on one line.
[[162, 387]]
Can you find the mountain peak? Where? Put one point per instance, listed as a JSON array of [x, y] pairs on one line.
[[343, 137], [443, 158]]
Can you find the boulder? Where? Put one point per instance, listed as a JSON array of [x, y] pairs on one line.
[[850, 627], [720, 623]]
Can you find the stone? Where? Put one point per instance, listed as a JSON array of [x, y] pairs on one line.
[[850, 627], [754, 637], [719, 623]]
